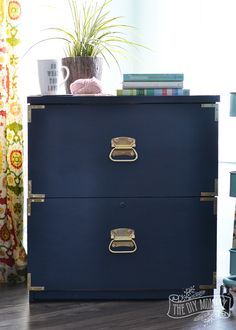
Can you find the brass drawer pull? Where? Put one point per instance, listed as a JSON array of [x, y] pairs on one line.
[[123, 147], [122, 238]]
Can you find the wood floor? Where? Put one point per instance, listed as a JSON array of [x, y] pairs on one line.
[[16, 313]]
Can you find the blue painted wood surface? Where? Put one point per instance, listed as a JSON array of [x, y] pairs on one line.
[[69, 148], [69, 239], [87, 195]]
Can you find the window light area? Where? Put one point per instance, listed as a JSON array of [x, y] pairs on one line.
[[192, 37]]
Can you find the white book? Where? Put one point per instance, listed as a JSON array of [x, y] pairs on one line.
[[152, 84]]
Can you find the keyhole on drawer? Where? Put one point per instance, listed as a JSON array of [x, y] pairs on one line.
[[122, 204]]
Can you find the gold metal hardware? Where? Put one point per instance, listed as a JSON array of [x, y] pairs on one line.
[[216, 187], [207, 194], [33, 198], [30, 194], [123, 142], [122, 237], [211, 196], [33, 288], [211, 286], [123, 146], [34, 107], [212, 105]]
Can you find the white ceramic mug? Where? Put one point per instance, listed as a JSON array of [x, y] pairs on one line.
[[49, 73]]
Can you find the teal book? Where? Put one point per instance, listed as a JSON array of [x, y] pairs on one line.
[[153, 92], [153, 77]]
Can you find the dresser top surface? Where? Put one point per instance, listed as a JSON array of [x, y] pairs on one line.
[[70, 99]]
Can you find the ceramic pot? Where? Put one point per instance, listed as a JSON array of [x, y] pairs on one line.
[[82, 67]]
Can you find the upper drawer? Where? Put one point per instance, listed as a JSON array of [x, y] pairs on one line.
[[69, 147]]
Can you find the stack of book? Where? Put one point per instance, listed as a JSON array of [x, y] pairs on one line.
[[153, 84]]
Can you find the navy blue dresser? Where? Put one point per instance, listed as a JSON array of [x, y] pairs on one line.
[[122, 196]]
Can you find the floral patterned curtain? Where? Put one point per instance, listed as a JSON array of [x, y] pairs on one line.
[[12, 253]]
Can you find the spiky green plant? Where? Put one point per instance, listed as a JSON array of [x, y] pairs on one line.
[[94, 32]]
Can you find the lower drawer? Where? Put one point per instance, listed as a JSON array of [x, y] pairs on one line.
[[69, 240]]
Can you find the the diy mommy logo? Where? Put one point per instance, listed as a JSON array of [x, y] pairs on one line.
[[192, 303], [180, 309]]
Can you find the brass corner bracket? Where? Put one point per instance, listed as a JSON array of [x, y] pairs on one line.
[[212, 105], [33, 198], [34, 107], [33, 288], [210, 286], [211, 196]]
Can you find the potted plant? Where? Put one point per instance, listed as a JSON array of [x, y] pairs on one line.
[[95, 37]]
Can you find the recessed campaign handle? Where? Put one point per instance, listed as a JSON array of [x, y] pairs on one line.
[[123, 149], [122, 238]]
